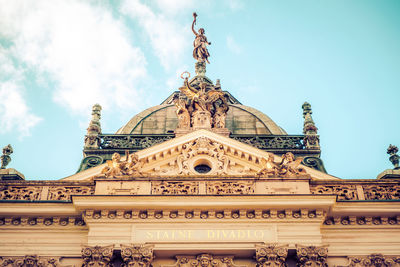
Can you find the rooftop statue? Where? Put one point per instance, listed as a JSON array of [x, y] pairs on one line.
[[200, 52], [5, 158]]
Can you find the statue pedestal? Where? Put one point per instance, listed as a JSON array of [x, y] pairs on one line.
[[389, 174], [11, 174]]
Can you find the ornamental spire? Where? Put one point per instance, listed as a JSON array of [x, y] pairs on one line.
[[5, 158], [311, 138], [94, 129]]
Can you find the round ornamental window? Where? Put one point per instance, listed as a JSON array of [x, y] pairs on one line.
[[202, 168]]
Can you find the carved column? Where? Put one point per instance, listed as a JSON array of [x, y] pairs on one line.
[[29, 261], [137, 255], [271, 256], [312, 256], [97, 256]]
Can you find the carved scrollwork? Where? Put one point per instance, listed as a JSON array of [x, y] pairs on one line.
[[29, 261], [20, 192], [311, 256], [97, 256], [271, 256], [272, 142], [374, 260], [137, 142], [137, 255], [230, 188], [205, 260], [65, 192], [381, 192], [343, 192], [174, 188]]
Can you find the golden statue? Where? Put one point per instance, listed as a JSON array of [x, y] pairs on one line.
[[200, 52]]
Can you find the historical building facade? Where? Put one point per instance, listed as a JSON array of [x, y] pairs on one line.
[[200, 180]]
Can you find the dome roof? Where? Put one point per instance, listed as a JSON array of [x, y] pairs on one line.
[[240, 119]]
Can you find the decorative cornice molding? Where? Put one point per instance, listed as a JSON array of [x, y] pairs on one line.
[[41, 221], [362, 220], [270, 214], [373, 260]]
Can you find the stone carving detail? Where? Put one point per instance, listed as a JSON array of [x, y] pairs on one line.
[[205, 260], [374, 260], [394, 158], [132, 165], [315, 163], [174, 188], [271, 256], [97, 256], [29, 261], [311, 256], [363, 220], [381, 192], [200, 52], [137, 255], [5, 158], [272, 142], [288, 167], [311, 139], [202, 108], [65, 192], [202, 146], [92, 136], [137, 142], [20, 192], [230, 188], [343, 192]]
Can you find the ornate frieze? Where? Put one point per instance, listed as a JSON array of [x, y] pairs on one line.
[[137, 255], [29, 261], [272, 141], [374, 260], [174, 188], [311, 256], [381, 192], [42, 221], [65, 192], [9, 192], [271, 255], [343, 192], [97, 256], [230, 188], [362, 220]]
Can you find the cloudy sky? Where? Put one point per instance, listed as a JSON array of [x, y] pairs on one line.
[[59, 57]]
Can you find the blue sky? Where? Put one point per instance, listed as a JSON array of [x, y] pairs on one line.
[[59, 57]]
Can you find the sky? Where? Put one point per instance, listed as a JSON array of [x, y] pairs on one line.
[[60, 57]]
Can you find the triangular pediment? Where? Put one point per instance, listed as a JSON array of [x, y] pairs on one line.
[[200, 153]]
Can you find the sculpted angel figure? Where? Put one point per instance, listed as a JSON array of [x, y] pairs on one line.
[[114, 166], [269, 167], [134, 164], [182, 112], [290, 166], [200, 52]]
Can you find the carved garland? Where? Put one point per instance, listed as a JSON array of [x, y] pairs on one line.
[[343, 192], [29, 261]]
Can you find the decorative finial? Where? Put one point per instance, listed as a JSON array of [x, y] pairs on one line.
[[200, 52], [394, 158], [311, 138], [94, 129], [5, 158]]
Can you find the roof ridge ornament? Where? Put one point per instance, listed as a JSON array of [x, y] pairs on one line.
[[394, 158], [5, 158], [200, 52]]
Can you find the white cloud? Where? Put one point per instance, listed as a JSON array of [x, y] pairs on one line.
[[168, 39], [235, 5], [232, 45], [80, 48]]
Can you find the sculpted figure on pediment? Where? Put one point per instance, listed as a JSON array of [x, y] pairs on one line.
[[116, 167]]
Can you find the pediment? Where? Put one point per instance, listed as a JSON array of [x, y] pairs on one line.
[[200, 153]]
